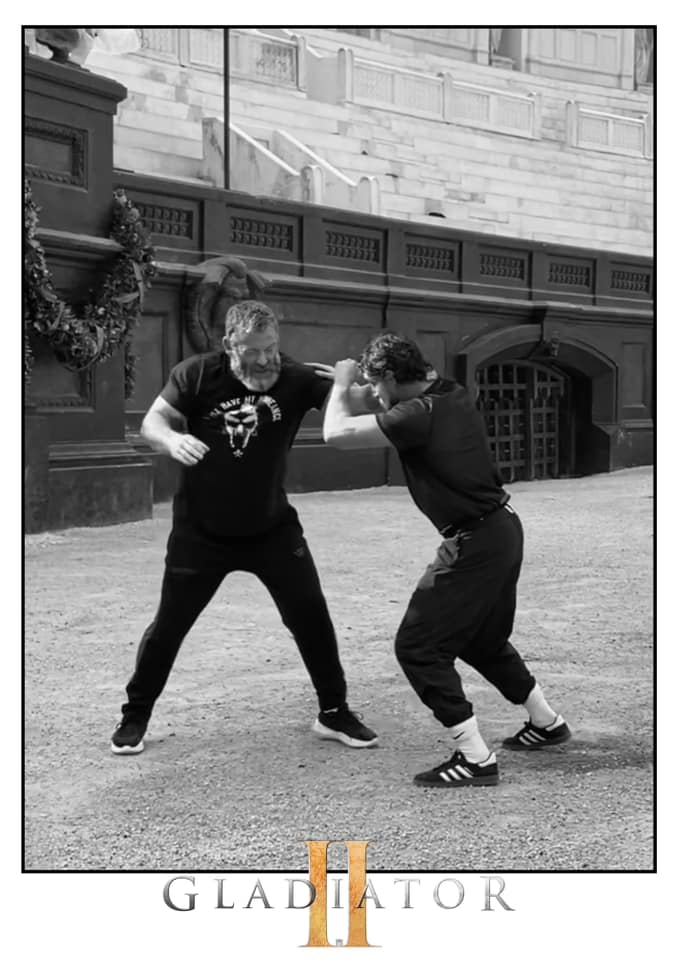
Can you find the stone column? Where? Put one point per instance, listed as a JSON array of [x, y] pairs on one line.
[[626, 72], [482, 45]]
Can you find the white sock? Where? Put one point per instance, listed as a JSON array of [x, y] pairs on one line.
[[541, 715], [466, 737]]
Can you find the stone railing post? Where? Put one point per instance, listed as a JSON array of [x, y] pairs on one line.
[[447, 96], [344, 76], [312, 183], [302, 74]]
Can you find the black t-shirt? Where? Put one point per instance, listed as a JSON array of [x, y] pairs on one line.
[[237, 488], [441, 440]]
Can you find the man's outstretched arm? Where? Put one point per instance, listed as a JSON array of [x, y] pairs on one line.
[[341, 427]]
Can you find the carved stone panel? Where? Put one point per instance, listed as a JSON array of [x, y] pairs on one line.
[[430, 256], [503, 265], [570, 272], [346, 245], [630, 280], [167, 220], [252, 231], [55, 152]]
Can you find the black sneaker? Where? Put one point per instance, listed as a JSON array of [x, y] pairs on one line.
[[460, 772], [128, 736], [345, 726], [535, 738]]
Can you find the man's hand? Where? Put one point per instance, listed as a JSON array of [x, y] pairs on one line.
[[346, 372], [186, 448], [323, 370]]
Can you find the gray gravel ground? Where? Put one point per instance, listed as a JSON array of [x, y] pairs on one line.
[[232, 778]]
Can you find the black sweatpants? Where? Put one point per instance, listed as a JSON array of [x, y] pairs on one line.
[[464, 607], [195, 566]]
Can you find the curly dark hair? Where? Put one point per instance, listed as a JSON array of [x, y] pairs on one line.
[[390, 351]]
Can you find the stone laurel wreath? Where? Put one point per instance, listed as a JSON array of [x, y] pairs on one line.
[[108, 320]]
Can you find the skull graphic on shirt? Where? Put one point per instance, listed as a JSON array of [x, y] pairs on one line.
[[240, 425], [240, 419]]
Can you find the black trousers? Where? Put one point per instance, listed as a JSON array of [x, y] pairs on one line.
[[464, 606], [196, 565]]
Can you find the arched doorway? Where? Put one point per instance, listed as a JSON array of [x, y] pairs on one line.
[[573, 418], [526, 407]]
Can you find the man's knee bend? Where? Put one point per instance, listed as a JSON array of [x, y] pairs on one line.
[[523, 690]]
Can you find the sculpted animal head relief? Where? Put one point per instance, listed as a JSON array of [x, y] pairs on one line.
[[225, 281]]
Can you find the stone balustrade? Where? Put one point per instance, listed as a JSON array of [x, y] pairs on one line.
[[438, 97], [267, 58], [608, 132]]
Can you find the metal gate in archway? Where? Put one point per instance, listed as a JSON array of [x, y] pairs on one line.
[[523, 406]]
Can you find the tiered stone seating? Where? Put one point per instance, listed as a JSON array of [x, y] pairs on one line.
[[545, 187]]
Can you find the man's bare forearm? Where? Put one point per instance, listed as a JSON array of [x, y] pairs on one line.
[[337, 413], [362, 400], [159, 432]]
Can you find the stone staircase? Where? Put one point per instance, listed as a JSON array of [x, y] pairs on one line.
[[541, 189]]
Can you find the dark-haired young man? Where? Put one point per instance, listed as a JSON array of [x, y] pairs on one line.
[[229, 418], [464, 604]]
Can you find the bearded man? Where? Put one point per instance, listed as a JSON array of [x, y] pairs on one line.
[[229, 417]]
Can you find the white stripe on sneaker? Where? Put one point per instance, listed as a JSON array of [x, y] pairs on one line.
[[444, 776], [464, 771], [453, 773]]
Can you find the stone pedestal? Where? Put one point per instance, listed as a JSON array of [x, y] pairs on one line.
[[79, 467], [36, 470]]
